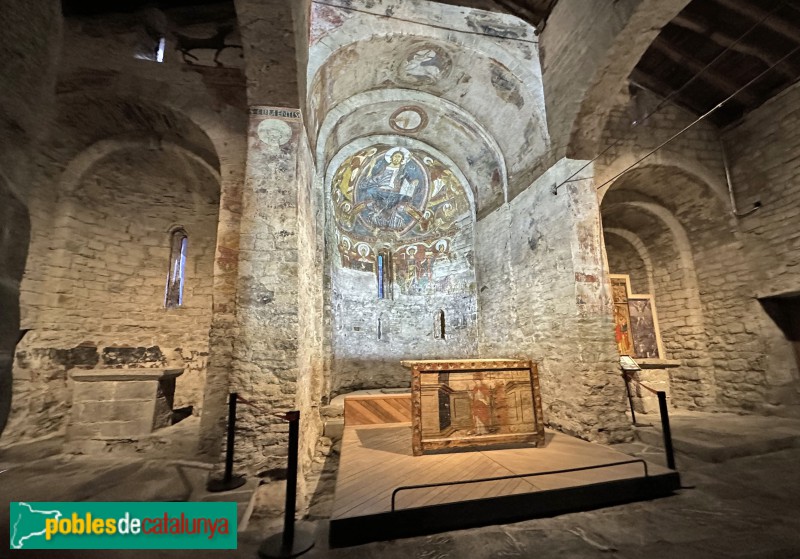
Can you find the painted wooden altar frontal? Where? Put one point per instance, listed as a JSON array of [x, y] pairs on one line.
[[474, 403]]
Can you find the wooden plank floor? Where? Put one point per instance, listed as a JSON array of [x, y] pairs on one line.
[[377, 409], [376, 459]]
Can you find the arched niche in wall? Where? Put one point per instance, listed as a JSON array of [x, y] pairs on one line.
[[14, 237], [660, 238], [712, 309], [398, 207], [429, 119], [498, 85], [104, 249]]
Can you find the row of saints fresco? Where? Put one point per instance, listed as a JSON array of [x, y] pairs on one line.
[[404, 199]]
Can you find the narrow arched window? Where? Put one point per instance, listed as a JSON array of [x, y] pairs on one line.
[[383, 274], [439, 325], [177, 266]]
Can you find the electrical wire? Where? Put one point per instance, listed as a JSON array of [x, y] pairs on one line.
[[704, 116], [669, 97], [351, 9]]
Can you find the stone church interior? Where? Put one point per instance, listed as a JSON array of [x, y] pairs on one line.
[[471, 242]]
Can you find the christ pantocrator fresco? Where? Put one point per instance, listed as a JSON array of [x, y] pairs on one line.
[[403, 199]]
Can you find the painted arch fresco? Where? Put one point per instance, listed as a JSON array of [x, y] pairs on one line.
[[402, 200]]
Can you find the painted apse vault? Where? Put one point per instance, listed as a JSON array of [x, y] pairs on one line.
[[402, 268], [409, 205]]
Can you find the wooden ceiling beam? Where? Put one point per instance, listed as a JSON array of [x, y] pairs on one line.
[[755, 13], [651, 83], [727, 41], [704, 73], [522, 11], [659, 88]]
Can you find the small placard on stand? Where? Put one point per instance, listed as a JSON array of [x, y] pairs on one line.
[[628, 364]]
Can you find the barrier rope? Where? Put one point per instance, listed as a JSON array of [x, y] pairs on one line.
[[628, 376]]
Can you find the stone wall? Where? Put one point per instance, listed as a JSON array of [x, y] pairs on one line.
[[764, 151], [623, 258], [93, 293], [675, 203], [543, 295]]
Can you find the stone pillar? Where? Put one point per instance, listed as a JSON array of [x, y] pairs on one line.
[[29, 48], [223, 330], [265, 364]]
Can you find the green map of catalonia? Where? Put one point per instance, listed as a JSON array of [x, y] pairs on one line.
[[29, 523]]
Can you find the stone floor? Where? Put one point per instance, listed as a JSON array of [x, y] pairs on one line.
[[743, 506]]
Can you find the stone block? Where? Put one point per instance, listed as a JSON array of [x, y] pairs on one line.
[[83, 430], [118, 410], [92, 391], [135, 390], [123, 429], [334, 429]]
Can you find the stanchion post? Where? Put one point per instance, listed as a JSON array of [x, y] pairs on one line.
[[291, 542], [291, 479], [231, 436], [228, 481], [665, 428], [630, 398]]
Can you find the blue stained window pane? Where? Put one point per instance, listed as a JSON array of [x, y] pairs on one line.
[[380, 276], [177, 269]]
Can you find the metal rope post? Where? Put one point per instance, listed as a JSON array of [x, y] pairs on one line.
[[630, 397], [291, 542], [665, 429], [229, 481]]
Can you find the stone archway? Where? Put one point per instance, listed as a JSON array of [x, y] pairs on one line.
[[589, 50], [14, 238], [710, 318], [92, 295]]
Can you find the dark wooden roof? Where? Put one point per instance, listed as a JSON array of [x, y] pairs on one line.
[[96, 7], [740, 39], [533, 11]]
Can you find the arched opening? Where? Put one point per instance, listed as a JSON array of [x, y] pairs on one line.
[[14, 238], [94, 295], [666, 220], [401, 217]]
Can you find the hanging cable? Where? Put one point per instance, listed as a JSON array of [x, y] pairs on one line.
[[669, 97], [703, 117], [426, 24]]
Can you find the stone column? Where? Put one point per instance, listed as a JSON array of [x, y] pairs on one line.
[[29, 49], [265, 364], [223, 330]]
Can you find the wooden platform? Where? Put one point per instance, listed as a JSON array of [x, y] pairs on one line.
[[372, 409], [377, 459]]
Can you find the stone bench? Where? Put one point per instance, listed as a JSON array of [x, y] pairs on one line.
[[120, 403]]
